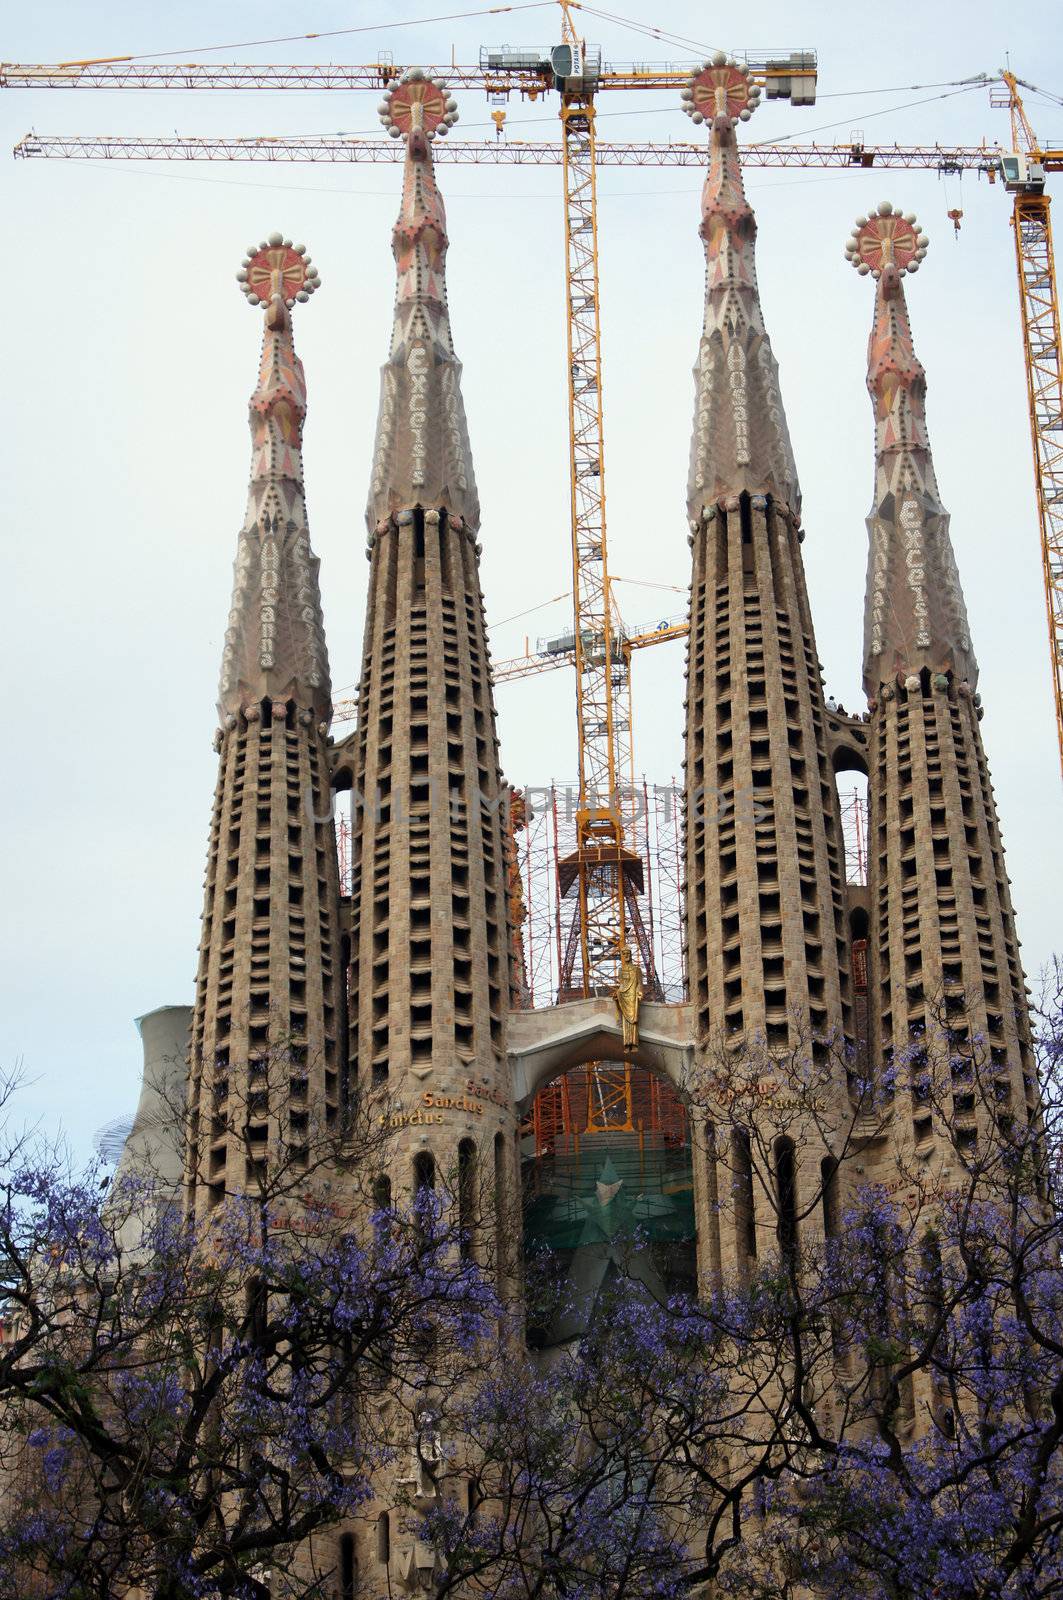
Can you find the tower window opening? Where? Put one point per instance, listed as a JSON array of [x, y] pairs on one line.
[[418, 551], [745, 1215], [257, 1312], [466, 1199], [746, 523], [348, 1567], [424, 1182], [383, 1538], [424, 1175], [712, 1195], [382, 1193], [500, 1207], [828, 1181], [786, 1199]]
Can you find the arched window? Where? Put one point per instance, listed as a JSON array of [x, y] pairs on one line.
[[859, 923], [852, 788], [424, 1174], [828, 1199], [828, 1191], [712, 1203], [786, 1199], [381, 1203], [745, 1215], [631, 1119], [424, 1182], [467, 1199], [257, 1311], [500, 1207], [348, 1567], [383, 1538], [932, 1284]]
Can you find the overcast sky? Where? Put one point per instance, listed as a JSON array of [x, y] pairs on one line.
[[130, 356]]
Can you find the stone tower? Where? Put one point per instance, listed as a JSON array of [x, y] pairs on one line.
[[943, 942], [269, 991], [430, 949], [767, 946]]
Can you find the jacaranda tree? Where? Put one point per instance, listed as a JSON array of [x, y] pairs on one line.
[[867, 1402], [871, 1405], [181, 1417]]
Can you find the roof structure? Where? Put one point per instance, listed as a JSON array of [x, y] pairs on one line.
[[422, 456], [275, 639], [741, 443], [914, 611]]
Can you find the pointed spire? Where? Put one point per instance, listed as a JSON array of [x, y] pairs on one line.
[[275, 639], [422, 456], [741, 443], [914, 612]]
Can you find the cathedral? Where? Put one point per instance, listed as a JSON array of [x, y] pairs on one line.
[[406, 992]]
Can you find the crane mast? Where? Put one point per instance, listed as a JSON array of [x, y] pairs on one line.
[[603, 876], [1024, 177], [596, 871]]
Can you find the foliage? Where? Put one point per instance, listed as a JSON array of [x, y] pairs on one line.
[[184, 1414], [865, 1399], [871, 1406]]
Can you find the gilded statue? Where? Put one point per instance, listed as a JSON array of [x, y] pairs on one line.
[[628, 998]]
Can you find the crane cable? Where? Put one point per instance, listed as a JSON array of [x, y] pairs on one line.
[[330, 33]]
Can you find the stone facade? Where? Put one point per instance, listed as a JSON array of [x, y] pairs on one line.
[[430, 950], [767, 933], [944, 951], [767, 947], [269, 981], [420, 1033]]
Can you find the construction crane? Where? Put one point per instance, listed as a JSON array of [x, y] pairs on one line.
[[601, 651], [603, 877], [599, 871], [1023, 170], [550, 654], [560, 650], [341, 149], [500, 72]]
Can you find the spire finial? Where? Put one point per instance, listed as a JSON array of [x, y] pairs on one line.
[[276, 272], [275, 642], [914, 613], [422, 457], [741, 443], [417, 105], [720, 93], [886, 239]]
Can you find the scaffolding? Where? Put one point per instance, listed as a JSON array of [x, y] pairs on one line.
[[604, 1101], [344, 851], [853, 804], [653, 890], [655, 828], [543, 828], [617, 1098], [602, 1098]]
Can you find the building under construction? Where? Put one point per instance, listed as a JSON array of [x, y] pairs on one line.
[[469, 942]]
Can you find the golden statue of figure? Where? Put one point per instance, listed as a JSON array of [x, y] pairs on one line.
[[628, 998]]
